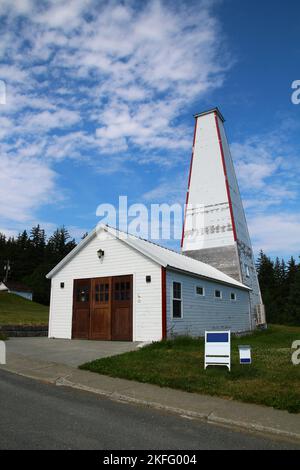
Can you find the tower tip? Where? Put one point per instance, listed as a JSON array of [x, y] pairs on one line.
[[209, 111]]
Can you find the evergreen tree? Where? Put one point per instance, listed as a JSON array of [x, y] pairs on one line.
[[293, 300]]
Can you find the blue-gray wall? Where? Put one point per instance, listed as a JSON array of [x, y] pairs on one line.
[[206, 313], [26, 295]]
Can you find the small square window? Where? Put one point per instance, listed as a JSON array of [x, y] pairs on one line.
[[218, 294], [232, 296], [200, 291], [62, 285]]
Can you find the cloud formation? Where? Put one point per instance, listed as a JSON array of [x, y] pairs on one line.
[[100, 82]]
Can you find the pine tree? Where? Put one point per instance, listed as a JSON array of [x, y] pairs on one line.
[[266, 277], [293, 300]]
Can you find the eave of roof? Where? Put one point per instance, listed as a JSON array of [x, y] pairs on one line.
[[129, 241]]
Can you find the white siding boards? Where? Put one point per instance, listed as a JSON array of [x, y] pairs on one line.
[[119, 259], [152, 314]]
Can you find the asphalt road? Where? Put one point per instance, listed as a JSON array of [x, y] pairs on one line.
[[35, 415]]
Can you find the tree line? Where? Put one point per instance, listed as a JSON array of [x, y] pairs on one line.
[[32, 255], [280, 287]]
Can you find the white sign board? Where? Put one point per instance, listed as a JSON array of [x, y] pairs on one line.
[[217, 349], [2, 352]]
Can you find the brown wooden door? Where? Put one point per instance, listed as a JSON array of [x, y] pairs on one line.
[[100, 323], [121, 314], [81, 308]]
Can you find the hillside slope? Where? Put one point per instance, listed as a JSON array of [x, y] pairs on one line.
[[14, 310]]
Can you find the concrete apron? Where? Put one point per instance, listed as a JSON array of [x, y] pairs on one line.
[[65, 351], [214, 410]]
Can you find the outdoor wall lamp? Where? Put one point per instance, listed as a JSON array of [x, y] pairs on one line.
[[100, 254]]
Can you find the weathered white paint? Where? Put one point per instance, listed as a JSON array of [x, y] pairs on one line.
[[208, 189], [119, 259]]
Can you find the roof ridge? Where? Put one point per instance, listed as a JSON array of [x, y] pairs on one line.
[[150, 241]]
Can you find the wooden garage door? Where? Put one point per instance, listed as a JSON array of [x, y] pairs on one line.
[[81, 309], [100, 327], [102, 308], [121, 326]]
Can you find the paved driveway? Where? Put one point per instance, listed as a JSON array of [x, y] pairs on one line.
[[65, 351]]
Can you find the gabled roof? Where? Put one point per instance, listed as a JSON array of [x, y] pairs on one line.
[[16, 286], [160, 255]]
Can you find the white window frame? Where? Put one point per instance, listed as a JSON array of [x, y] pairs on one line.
[[173, 298], [235, 298], [196, 293], [221, 296]]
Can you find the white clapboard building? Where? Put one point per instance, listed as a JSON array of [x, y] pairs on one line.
[[114, 286], [215, 229]]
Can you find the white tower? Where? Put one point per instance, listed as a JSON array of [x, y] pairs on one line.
[[215, 229]]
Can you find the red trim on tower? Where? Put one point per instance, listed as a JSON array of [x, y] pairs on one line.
[[164, 302], [226, 178], [189, 181]]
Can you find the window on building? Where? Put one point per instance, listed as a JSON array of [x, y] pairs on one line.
[[218, 294], [82, 294], [247, 271], [232, 296], [177, 300], [200, 291]]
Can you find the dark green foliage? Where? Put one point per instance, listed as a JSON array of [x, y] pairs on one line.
[[280, 288], [33, 256]]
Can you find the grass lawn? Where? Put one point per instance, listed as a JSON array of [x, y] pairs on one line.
[[14, 310], [271, 380]]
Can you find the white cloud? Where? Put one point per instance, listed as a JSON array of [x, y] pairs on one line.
[[144, 69], [166, 192], [24, 185], [102, 82], [278, 233], [48, 120], [265, 169]]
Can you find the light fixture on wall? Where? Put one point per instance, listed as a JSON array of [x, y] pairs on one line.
[[100, 254]]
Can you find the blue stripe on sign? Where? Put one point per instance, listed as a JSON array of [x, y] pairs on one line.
[[246, 360], [217, 337]]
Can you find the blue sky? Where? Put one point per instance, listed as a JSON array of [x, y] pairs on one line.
[[100, 98]]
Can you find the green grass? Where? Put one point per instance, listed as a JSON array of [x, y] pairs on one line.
[[14, 310], [270, 380]]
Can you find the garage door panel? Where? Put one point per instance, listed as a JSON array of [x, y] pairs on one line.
[[101, 324], [102, 308], [81, 308], [122, 308]]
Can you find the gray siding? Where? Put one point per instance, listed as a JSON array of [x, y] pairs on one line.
[[206, 313]]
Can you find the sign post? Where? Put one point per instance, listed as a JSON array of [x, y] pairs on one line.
[[2, 352]]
